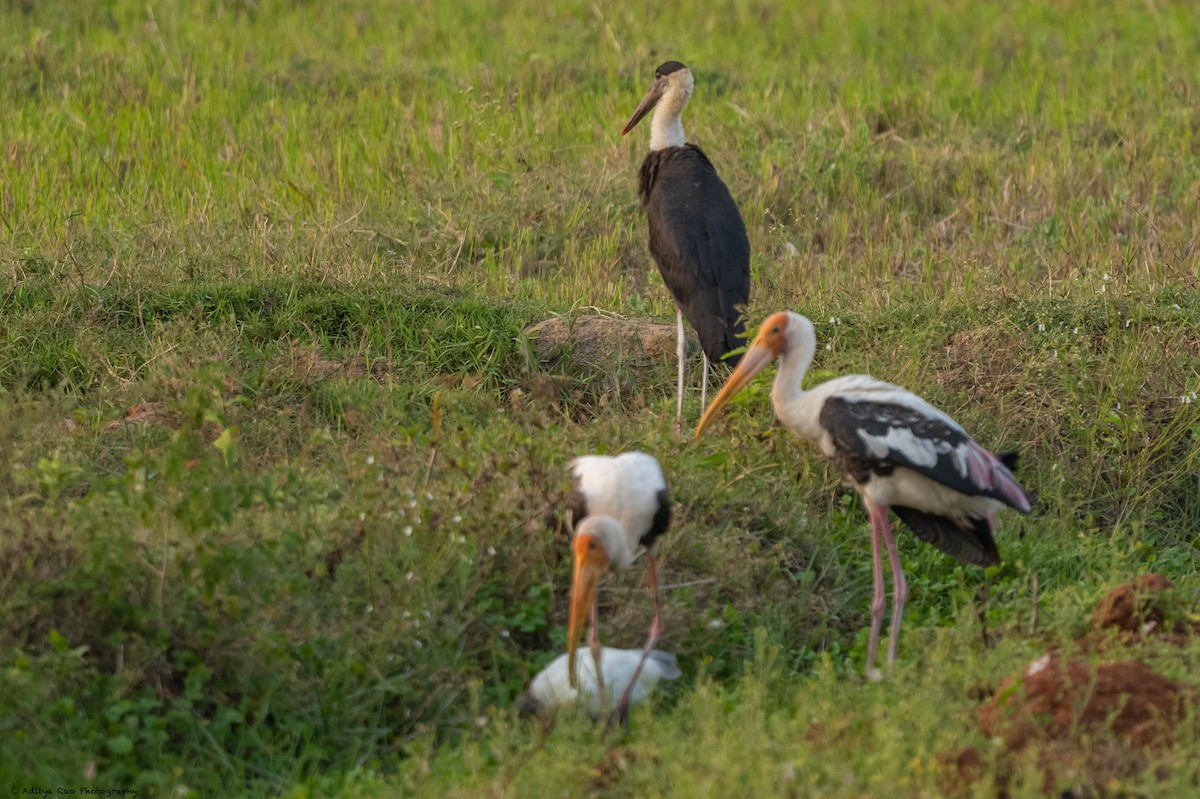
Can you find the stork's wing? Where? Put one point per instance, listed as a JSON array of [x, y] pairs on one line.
[[971, 542], [699, 240], [910, 436]]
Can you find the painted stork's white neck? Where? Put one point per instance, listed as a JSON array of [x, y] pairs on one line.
[[666, 127], [612, 536], [786, 392]]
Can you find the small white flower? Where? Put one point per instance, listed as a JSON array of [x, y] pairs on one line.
[[408, 529], [412, 503], [491, 550], [370, 608], [1075, 332], [370, 460], [716, 624], [457, 518], [362, 516], [505, 634], [408, 578], [1128, 322], [418, 644], [828, 346], [429, 496], [1041, 328], [1175, 305], [1106, 277]]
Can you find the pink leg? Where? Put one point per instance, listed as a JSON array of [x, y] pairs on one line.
[[899, 586], [621, 713], [878, 600], [594, 645]]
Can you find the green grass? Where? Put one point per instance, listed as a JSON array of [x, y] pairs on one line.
[[298, 243]]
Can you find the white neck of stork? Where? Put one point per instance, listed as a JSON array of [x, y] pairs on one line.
[[666, 126], [794, 361]]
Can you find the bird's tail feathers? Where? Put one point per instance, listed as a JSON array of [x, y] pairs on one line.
[[667, 664]]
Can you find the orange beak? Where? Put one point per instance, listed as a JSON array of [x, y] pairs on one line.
[[767, 345], [590, 565]]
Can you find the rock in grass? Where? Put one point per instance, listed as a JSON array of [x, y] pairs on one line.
[[550, 689], [595, 342]]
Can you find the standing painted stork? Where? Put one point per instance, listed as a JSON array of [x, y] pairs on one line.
[[697, 235], [895, 448], [551, 688], [617, 504]]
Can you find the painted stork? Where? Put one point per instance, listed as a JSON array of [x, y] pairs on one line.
[[697, 235], [895, 448], [617, 504], [551, 688]]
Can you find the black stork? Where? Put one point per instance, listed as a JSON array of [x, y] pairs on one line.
[[898, 452], [618, 503], [697, 235]]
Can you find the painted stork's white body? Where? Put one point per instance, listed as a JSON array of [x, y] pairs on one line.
[[551, 688], [618, 503], [896, 449]]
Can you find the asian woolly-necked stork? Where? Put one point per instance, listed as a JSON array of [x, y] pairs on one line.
[[551, 688], [895, 448], [697, 235], [617, 504]]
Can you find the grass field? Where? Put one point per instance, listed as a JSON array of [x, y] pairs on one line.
[[282, 473]]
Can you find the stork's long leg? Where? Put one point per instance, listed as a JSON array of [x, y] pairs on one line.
[[877, 600], [594, 645], [704, 387], [680, 353], [621, 712], [899, 585]]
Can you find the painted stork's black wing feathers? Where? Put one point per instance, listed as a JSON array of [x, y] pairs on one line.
[[973, 544], [662, 519], [699, 241], [894, 434]]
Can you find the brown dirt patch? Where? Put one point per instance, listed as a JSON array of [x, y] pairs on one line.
[[1053, 697], [145, 413], [1133, 607], [597, 341], [306, 363]]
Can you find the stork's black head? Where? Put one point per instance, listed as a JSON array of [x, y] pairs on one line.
[[667, 68]]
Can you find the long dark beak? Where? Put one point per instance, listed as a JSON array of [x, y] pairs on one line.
[[645, 106]]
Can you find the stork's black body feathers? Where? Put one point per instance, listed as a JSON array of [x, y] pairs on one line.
[[699, 241], [877, 437], [873, 439], [971, 542]]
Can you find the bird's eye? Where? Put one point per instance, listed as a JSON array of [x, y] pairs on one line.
[[591, 544], [775, 329]]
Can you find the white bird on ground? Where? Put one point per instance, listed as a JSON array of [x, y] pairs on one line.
[[551, 688], [898, 452]]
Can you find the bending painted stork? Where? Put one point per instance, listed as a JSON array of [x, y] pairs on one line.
[[551, 688], [617, 504], [896, 449], [697, 235]]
